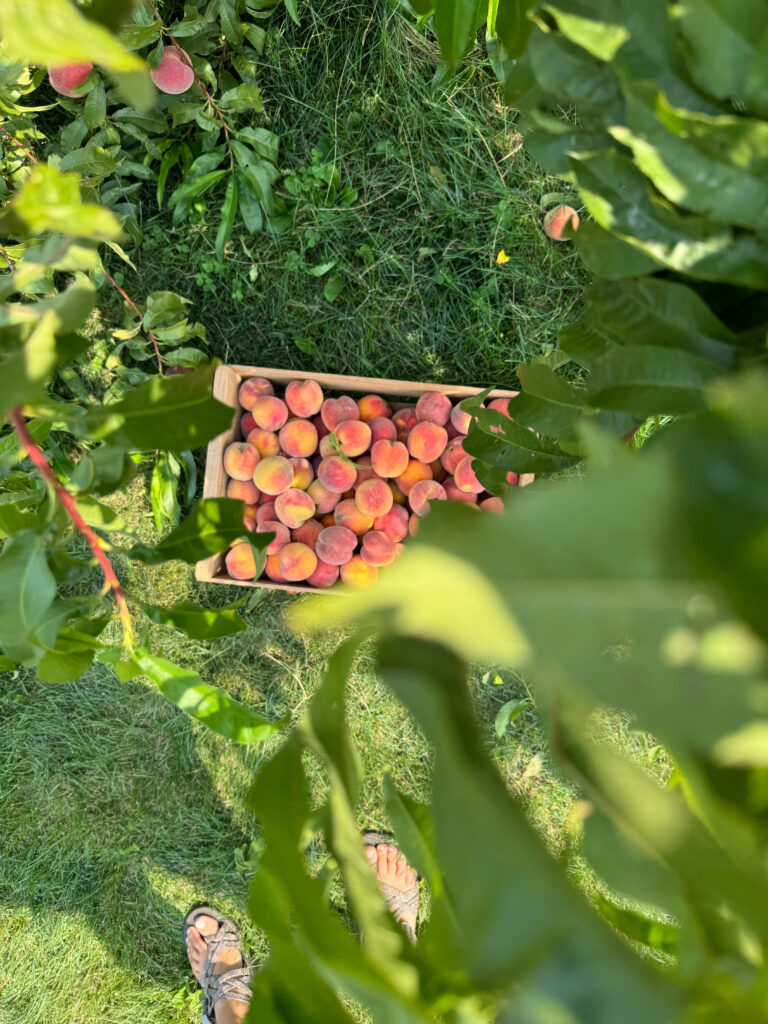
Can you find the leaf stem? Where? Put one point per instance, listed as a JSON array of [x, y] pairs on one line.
[[138, 313], [94, 542], [19, 144]]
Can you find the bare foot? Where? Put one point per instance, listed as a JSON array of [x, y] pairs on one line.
[[229, 959], [392, 868]]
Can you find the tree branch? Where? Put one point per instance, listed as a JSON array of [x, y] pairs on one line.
[[19, 144], [94, 542], [138, 313]]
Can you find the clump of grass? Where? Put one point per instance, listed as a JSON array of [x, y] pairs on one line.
[[406, 191]]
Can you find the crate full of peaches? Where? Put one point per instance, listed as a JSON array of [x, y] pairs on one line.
[[340, 482]]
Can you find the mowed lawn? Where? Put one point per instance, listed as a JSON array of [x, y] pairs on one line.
[[118, 811]]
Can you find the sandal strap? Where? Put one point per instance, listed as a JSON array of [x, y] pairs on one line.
[[232, 985], [400, 900]]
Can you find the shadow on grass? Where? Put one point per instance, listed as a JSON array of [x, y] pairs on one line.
[[110, 813]]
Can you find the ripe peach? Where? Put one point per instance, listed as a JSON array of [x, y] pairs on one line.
[[240, 460], [501, 405], [460, 419], [303, 474], [414, 471], [247, 424], [174, 73], [304, 397], [296, 561], [453, 454], [272, 568], [269, 412], [560, 220], [325, 500], [337, 473], [433, 407], [374, 498], [298, 438], [404, 421], [335, 545], [327, 519], [266, 512], [455, 494], [413, 525], [357, 573], [240, 563], [348, 514], [353, 437], [325, 575], [422, 493], [372, 406], [382, 429], [273, 475], [335, 410], [253, 388], [492, 504], [394, 524], [266, 442], [307, 533], [294, 507], [513, 479], [427, 441], [389, 458], [67, 78], [377, 548], [465, 478], [450, 430], [243, 490], [281, 532]]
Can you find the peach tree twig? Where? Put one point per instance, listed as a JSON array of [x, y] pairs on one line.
[[138, 313], [94, 542], [21, 145]]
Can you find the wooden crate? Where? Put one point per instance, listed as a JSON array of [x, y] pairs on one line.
[[226, 385]]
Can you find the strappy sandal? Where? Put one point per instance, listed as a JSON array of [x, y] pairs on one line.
[[399, 901], [230, 984]]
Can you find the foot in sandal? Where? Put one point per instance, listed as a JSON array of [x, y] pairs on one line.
[[397, 880], [218, 962]]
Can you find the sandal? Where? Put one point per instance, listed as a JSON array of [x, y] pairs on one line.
[[231, 984], [399, 901]]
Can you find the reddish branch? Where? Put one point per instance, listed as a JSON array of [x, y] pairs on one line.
[[19, 144], [209, 98], [94, 542], [138, 313]]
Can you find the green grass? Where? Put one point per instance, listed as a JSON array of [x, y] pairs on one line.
[[441, 184], [119, 811]]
